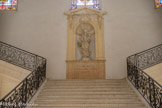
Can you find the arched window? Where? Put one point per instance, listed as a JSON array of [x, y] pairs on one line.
[[158, 3], [8, 4], [89, 3]]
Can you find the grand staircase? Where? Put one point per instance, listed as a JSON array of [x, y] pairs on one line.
[[87, 94]]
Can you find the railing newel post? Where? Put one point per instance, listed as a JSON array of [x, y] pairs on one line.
[[136, 71], [154, 97], [150, 90], [161, 99], [45, 68], [22, 92], [26, 90], [37, 73]]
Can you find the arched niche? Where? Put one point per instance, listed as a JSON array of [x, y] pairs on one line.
[[85, 42], [80, 22]]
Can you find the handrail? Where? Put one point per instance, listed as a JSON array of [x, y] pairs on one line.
[[148, 57], [26, 89], [147, 75], [19, 57], [22, 49], [144, 51], [148, 87]]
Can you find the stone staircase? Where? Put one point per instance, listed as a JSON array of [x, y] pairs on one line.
[[87, 94]]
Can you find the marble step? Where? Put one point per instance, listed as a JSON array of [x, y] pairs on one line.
[[50, 83], [125, 96], [82, 85], [87, 81], [89, 101], [91, 105], [86, 86], [126, 106], [84, 90], [87, 94]]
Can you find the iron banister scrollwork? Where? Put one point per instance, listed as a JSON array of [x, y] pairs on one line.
[[145, 84], [19, 57], [25, 90], [147, 58]]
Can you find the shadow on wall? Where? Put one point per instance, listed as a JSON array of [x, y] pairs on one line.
[[2, 25], [5, 22]]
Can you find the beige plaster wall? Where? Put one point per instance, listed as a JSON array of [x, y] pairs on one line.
[[10, 76], [131, 26], [155, 72], [41, 27]]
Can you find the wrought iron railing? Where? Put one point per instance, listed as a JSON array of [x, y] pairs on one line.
[[25, 90], [150, 89]]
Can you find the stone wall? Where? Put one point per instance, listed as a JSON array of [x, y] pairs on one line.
[[40, 27]]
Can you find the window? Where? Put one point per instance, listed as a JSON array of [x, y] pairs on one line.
[[89, 3], [158, 3], [8, 4]]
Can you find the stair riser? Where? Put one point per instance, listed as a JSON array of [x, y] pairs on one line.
[[87, 94], [117, 101], [91, 105], [103, 84], [84, 91], [89, 97], [84, 87]]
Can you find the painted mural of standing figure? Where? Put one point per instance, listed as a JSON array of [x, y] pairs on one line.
[[84, 44]]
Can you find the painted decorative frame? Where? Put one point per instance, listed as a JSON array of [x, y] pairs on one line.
[[158, 4], [8, 4], [89, 3]]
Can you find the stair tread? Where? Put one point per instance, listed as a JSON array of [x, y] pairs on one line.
[[77, 105], [132, 106], [87, 94]]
